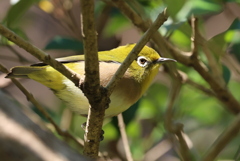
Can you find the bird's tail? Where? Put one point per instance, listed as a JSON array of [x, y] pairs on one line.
[[22, 72]]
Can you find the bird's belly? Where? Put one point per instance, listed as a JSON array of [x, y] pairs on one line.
[[77, 102]]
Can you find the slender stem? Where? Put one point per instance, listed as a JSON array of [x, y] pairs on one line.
[[124, 137], [194, 37]]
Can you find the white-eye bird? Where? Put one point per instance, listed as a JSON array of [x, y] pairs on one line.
[[131, 87]]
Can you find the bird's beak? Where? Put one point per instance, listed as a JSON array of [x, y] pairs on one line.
[[163, 60]]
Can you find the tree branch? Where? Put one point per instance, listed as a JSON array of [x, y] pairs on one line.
[[42, 56], [96, 95], [121, 126]]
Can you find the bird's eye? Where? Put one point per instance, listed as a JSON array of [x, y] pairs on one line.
[[142, 61]]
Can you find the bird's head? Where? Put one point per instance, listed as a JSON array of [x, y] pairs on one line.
[[144, 68]]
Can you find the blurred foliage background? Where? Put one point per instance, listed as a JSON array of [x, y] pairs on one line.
[[54, 26]]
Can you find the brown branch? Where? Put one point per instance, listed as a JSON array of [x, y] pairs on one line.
[[91, 87], [42, 56], [162, 17], [121, 126], [183, 149], [200, 87], [214, 65], [230, 132], [30, 98]]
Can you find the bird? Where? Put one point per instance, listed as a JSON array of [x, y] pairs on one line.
[[129, 90]]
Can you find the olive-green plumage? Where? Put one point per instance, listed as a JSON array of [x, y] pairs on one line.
[[131, 87]]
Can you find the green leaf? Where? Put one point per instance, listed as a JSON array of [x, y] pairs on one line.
[[226, 74], [181, 36], [64, 43], [198, 7], [174, 6], [16, 12]]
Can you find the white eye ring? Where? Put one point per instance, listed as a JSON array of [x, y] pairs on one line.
[[142, 61]]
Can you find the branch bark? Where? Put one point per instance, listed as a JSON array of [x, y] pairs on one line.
[[98, 101], [121, 126]]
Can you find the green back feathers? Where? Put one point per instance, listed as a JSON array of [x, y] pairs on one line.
[[117, 55]]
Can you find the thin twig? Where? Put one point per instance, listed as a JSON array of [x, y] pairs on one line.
[[158, 150], [121, 126], [215, 67], [42, 56], [30, 98], [162, 17], [184, 149], [194, 38], [200, 87], [15, 52], [230, 132]]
